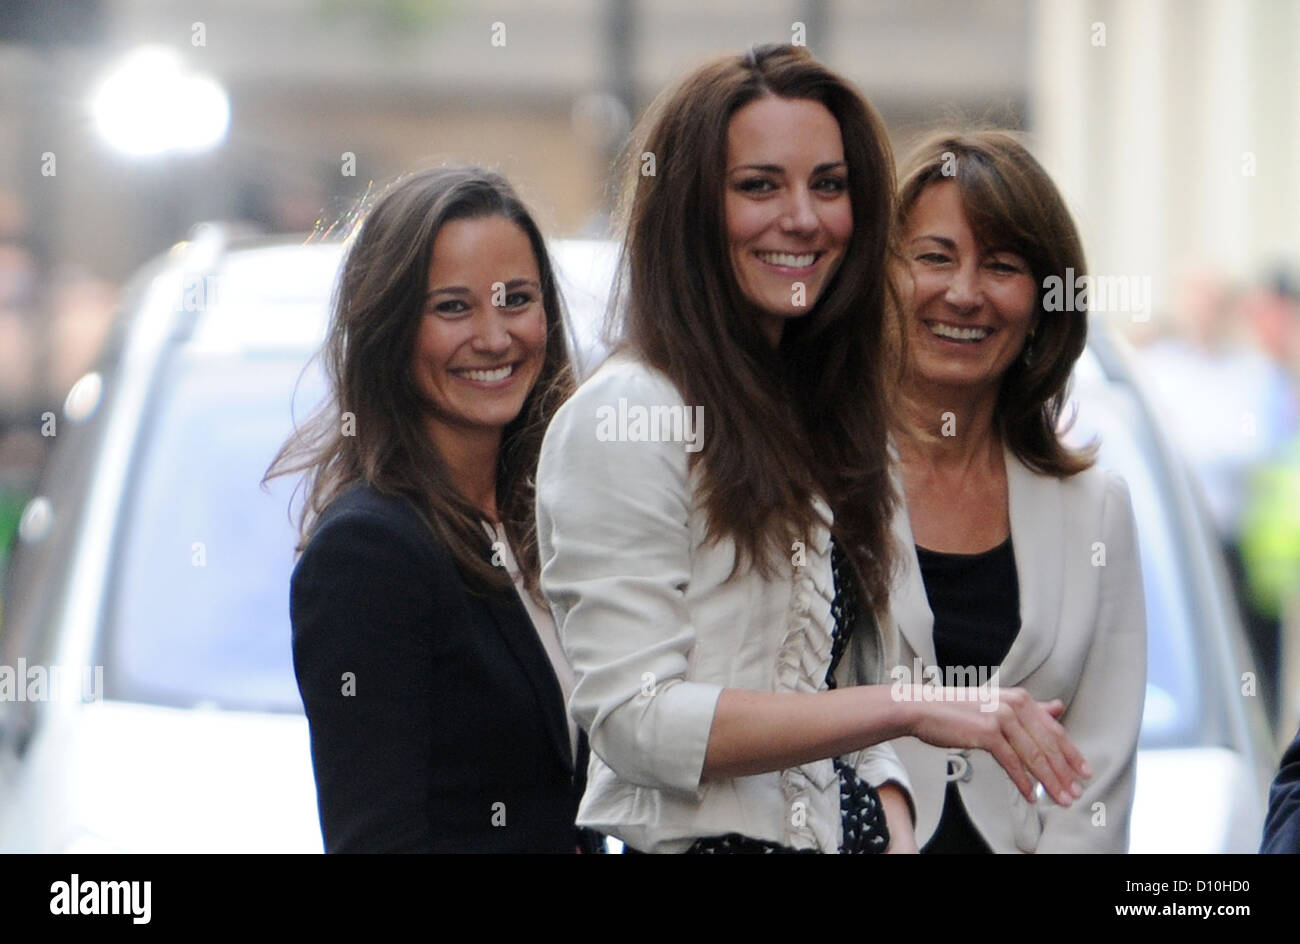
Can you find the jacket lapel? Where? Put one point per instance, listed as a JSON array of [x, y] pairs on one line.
[[910, 605], [1037, 506], [516, 628]]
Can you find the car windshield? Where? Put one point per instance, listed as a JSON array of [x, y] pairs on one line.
[[1110, 413], [199, 610]]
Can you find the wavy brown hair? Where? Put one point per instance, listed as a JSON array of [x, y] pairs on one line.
[[376, 313], [809, 417], [1012, 204]]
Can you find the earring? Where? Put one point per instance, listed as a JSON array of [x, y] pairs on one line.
[[1027, 352]]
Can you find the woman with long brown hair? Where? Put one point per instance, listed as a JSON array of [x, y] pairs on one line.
[[714, 504], [429, 666]]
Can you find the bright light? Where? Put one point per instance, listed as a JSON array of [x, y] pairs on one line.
[[150, 104]]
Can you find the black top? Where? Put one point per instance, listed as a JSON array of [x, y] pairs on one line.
[[437, 722], [975, 599]]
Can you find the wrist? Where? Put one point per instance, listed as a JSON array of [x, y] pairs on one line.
[[885, 717]]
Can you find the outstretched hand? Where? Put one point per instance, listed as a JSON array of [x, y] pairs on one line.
[[1022, 734]]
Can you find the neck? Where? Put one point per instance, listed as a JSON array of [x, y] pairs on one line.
[[471, 457], [772, 327], [948, 429]]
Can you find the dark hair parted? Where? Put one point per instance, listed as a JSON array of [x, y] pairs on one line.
[[377, 309], [809, 417], [1012, 204]]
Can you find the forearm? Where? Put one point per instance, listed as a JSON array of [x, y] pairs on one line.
[[898, 817], [755, 732]]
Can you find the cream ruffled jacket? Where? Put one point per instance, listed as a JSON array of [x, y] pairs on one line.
[[655, 631]]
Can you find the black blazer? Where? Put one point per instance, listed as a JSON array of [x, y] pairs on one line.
[[437, 722], [1282, 826]]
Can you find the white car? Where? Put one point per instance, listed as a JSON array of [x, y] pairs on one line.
[[152, 551]]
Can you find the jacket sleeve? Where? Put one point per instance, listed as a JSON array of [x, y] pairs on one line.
[[615, 548], [1104, 718], [363, 648]]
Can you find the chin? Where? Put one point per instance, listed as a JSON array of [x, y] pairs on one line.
[[943, 375], [785, 311]]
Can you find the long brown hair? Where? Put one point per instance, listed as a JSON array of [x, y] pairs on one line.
[[376, 312], [1011, 202], [810, 417]]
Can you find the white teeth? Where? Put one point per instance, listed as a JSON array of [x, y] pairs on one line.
[[788, 259], [488, 376], [960, 334]]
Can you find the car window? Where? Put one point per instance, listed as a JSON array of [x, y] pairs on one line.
[[199, 598], [1110, 413]]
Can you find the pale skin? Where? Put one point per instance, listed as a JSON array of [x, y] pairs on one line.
[[797, 146]]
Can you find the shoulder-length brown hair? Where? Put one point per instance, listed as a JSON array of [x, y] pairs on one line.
[[376, 312], [810, 417], [1011, 203]]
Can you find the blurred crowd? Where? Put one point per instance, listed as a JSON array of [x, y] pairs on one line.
[[1224, 373]]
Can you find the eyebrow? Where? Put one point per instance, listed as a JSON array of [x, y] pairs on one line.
[[941, 240], [951, 245], [462, 290], [778, 169]]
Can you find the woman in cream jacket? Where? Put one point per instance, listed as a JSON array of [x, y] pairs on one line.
[[1020, 563], [714, 504]]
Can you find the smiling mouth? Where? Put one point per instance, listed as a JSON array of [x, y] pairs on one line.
[[789, 260], [486, 376], [968, 335]]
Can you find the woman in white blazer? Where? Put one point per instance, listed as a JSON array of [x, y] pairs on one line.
[[714, 503], [1020, 563]]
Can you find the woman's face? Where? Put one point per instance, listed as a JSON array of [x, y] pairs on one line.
[[787, 208], [972, 305], [482, 337]]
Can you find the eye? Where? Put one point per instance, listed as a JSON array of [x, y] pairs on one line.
[[518, 299], [834, 184], [1005, 265], [449, 308], [755, 185], [933, 258]]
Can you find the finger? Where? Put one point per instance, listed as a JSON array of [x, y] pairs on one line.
[[1073, 756], [1059, 750], [1078, 764], [1006, 756], [1037, 757]]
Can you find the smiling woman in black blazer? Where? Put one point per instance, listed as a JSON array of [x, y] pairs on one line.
[[433, 681]]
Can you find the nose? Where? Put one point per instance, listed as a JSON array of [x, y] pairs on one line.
[[800, 216], [963, 288], [491, 331]]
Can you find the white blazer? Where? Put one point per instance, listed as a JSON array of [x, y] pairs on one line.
[[655, 630], [1082, 639]]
